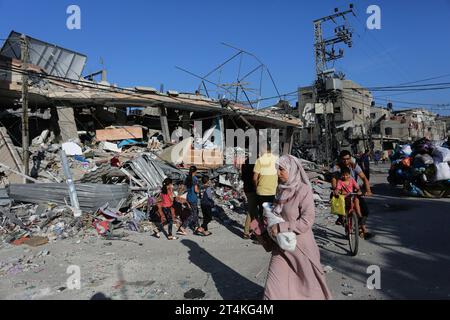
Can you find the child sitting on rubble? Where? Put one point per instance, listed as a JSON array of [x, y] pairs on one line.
[[165, 208], [345, 185], [207, 205]]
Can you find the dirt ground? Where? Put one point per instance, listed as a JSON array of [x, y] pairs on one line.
[[410, 244]]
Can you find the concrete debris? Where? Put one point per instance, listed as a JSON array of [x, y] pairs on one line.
[[177, 153], [108, 146], [327, 269], [15, 266], [72, 149], [194, 294], [346, 285], [117, 181], [41, 138]]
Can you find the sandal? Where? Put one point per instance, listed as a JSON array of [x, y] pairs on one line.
[[172, 238], [246, 236], [199, 231], [182, 233], [207, 233], [157, 235]]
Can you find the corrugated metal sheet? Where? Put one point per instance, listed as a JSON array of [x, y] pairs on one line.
[[54, 60], [4, 198], [148, 170], [90, 196]]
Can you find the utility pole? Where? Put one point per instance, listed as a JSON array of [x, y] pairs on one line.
[[25, 128], [324, 54]]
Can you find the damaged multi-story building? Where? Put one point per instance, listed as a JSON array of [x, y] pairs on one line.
[[359, 124], [350, 112], [406, 126], [74, 106]]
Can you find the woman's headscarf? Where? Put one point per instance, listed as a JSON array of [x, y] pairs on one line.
[[298, 181]]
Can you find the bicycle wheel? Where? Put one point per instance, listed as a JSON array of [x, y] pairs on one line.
[[353, 233]]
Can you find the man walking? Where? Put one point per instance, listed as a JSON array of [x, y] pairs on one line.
[[265, 178], [365, 163], [250, 193]]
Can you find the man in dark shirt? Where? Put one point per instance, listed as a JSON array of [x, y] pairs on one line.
[[365, 163], [250, 193]]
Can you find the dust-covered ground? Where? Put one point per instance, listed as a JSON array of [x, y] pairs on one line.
[[411, 248]]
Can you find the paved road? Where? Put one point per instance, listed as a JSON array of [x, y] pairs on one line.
[[411, 248]]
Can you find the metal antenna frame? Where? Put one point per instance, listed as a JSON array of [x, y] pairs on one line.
[[239, 85]]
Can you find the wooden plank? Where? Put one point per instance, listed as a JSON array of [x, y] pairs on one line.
[[117, 134]]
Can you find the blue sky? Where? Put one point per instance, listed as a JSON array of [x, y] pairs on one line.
[[141, 42]]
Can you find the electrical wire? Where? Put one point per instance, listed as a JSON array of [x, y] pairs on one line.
[[386, 51], [102, 87]]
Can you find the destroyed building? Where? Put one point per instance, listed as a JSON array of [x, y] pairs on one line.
[[445, 119], [408, 125], [120, 144], [73, 107]]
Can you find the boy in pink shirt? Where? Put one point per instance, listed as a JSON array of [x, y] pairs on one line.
[[345, 185]]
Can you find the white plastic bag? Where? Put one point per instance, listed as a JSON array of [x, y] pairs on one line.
[[441, 154], [406, 150], [442, 171], [286, 240]]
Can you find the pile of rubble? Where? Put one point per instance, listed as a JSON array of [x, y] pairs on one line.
[[96, 188], [319, 183], [422, 169], [94, 191]]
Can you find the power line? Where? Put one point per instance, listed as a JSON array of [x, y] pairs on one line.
[[412, 90], [406, 86], [411, 103], [428, 79], [386, 51], [433, 107], [102, 87]]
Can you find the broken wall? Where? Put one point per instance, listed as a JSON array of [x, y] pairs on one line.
[[10, 157]]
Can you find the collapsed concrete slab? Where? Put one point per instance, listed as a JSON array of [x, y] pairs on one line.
[[67, 124]]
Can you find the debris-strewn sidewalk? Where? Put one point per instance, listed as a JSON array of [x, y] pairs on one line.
[[100, 186]]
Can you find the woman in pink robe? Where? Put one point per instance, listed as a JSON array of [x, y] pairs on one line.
[[295, 275]]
